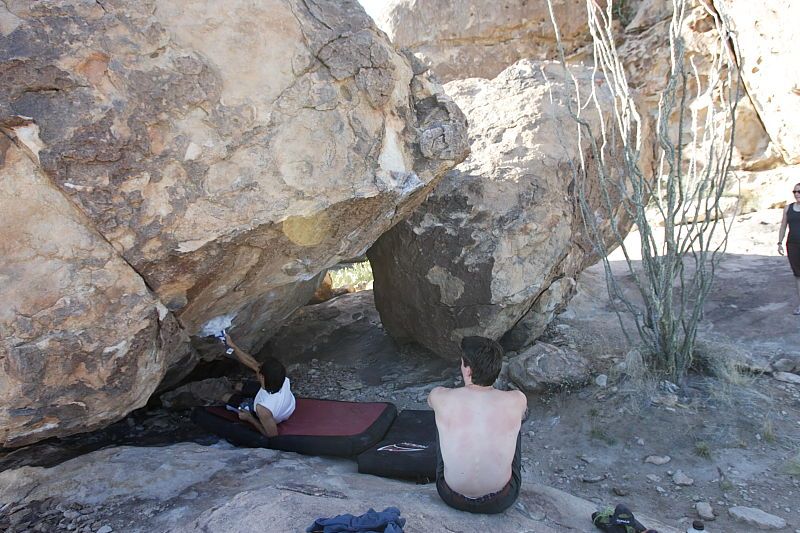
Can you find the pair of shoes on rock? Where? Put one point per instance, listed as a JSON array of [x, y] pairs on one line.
[[796, 310], [618, 520]]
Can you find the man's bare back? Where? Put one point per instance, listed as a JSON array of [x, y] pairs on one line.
[[478, 428]]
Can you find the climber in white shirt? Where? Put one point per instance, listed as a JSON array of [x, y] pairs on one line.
[[274, 402]]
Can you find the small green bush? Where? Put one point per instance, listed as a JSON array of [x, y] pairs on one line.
[[702, 449], [793, 466], [599, 433]]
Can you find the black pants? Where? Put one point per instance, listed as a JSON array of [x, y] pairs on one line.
[[793, 253], [249, 390], [494, 503]]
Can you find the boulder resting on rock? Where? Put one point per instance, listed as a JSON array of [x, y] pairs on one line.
[[505, 225]]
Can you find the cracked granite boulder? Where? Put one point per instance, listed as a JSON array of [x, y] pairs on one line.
[[500, 241], [167, 162], [477, 38]]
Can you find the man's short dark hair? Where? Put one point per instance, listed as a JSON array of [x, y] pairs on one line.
[[485, 358], [274, 373]]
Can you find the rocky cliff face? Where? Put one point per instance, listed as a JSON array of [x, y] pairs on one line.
[[463, 40], [767, 46], [164, 163], [501, 228], [480, 38], [645, 52]]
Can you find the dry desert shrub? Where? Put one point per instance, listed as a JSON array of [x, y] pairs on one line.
[[683, 186], [355, 275]]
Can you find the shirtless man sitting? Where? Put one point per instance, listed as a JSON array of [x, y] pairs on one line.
[[479, 434]]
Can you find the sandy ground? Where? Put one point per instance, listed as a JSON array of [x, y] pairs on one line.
[[740, 444]]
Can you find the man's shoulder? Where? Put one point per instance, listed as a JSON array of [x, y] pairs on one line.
[[518, 396], [437, 393], [513, 398]]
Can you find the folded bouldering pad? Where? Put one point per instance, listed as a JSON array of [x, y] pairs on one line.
[[408, 451]]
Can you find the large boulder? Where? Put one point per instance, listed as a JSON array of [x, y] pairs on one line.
[[174, 161], [505, 224], [475, 38], [471, 38], [480, 38], [767, 46], [645, 54], [552, 301], [82, 340], [756, 153]]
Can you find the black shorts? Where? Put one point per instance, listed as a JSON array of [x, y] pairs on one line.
[[494, 503], [793, 253]]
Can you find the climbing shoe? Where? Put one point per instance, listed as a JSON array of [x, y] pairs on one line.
[[617, 520]]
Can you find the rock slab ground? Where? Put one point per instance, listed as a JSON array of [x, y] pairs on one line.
[[187, 487]]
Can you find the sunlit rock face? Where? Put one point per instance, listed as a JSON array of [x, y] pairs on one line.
[[645, 53], [763, 130], [480, 38], [82, 339], [768, 47], [502, 235], [166, 162], [471, 38]]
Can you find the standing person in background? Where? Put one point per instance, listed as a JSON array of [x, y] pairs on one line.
[[791, 217]]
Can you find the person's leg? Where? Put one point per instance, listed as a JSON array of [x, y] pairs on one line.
[[793, 254], [797, 283], [234, 399]]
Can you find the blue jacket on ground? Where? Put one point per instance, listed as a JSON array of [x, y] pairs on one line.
[[387, 521]]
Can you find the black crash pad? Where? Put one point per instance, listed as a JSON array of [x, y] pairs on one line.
[[408, 451]]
